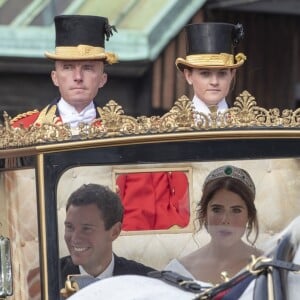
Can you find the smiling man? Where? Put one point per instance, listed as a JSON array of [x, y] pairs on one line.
[[94, 216], [79, 60]]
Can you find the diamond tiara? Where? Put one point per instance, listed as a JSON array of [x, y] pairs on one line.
[[232, 172]]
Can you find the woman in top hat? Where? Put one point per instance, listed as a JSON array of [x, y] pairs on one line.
[[210, 64], [79, 60], [227, 211]]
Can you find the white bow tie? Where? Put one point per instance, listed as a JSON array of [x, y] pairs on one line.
[[74, 118], [70, 115]]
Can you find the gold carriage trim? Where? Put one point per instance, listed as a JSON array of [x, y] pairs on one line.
[[182, 117], [70, 288]]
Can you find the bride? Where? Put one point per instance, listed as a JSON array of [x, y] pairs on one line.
[[227, 212]]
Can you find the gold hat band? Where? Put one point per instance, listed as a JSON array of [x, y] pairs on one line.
[[82, 52], [221, 60]]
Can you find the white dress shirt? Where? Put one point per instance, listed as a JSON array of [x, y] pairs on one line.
[[108, 272], [200, 106], [71, 116]]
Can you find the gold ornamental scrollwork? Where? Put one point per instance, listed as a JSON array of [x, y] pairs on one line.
[[112, 123], [291, 118], [112, 118], [179, 118], [245, 113], [20, 137]]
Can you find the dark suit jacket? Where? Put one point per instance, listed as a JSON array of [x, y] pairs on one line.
[[122, 266]]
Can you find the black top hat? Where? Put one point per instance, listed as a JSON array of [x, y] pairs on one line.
[[82, 37], [211, 45]]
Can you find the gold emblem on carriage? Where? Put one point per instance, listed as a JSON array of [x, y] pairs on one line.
[[70, 288]]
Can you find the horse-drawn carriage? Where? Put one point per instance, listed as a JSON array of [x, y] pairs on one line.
[[41, 166]]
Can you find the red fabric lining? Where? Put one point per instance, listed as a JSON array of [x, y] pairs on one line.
[[154, 200]]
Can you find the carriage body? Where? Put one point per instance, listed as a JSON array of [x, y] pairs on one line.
[[40, 167]]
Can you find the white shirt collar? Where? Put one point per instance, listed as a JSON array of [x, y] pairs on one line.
[[108, 272], [70, 115], [200, 106]]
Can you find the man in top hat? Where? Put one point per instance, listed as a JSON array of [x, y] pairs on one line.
[[210, 64], [79, 61]]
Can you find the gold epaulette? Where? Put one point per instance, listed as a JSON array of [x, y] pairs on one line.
[[23, 115], [47, 115]]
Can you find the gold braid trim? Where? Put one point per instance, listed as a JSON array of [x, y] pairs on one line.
[[47, 116], [23, 115], [82, 52], [99, 111], [221, 59]]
